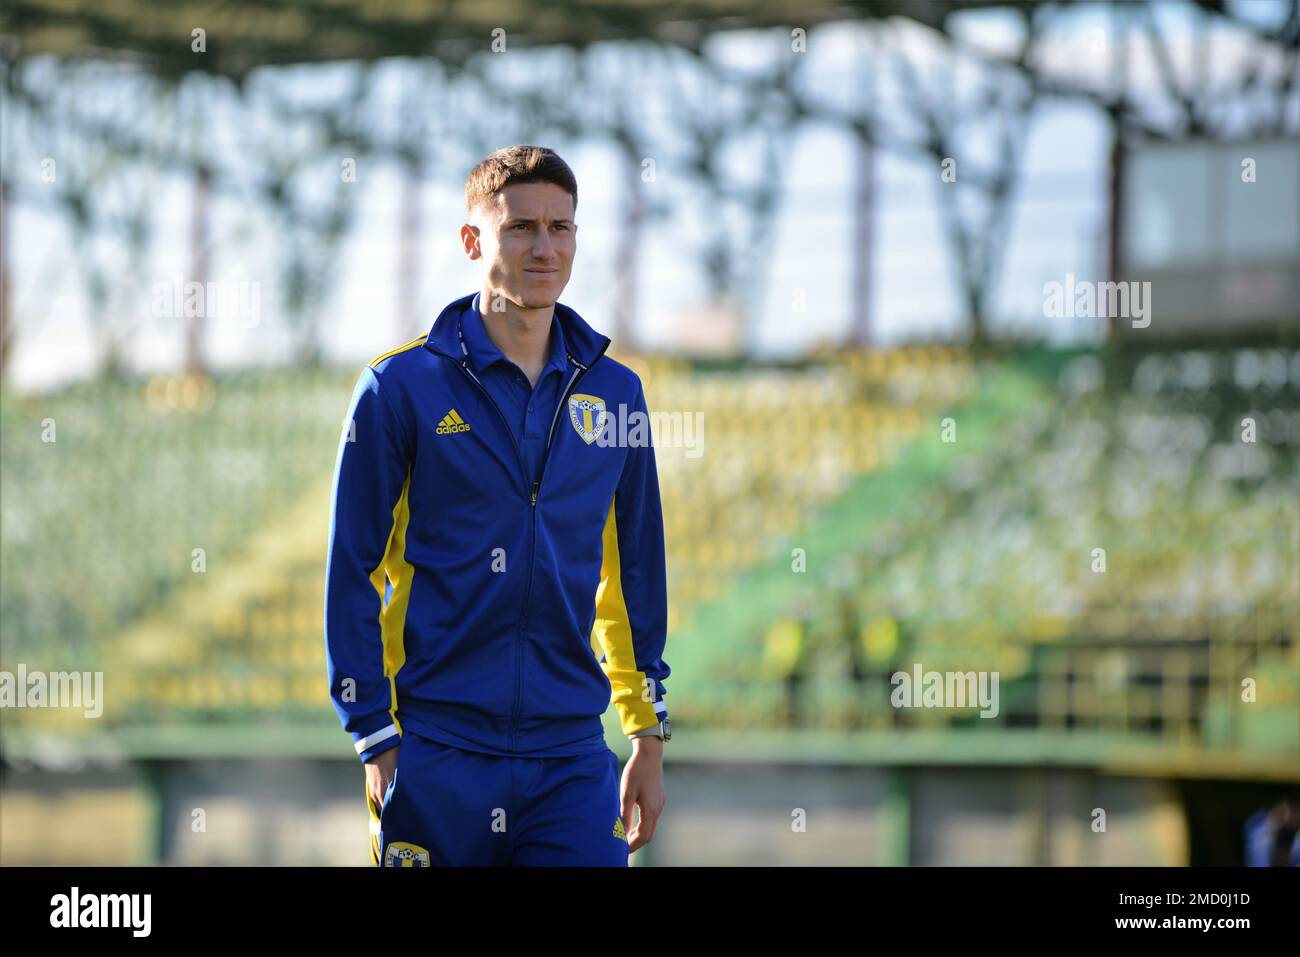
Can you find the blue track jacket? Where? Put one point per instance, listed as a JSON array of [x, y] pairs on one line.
[[473, 603]]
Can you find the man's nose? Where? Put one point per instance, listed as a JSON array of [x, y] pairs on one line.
[[543, 247]]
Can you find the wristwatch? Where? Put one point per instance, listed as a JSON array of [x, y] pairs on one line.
[[663, 731]]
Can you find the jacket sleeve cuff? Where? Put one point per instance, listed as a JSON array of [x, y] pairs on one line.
[[661, 715], [367, 746]]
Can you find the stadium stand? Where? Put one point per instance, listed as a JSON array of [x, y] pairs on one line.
[[849, 516], [989, 565]]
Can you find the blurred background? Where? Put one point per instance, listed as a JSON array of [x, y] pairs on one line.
[[990, 312]]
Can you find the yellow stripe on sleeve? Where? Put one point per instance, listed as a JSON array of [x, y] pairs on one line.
[[612, 632], [417, 341], [392, 618]]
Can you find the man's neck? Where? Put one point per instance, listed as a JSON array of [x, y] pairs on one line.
[[522, 335]]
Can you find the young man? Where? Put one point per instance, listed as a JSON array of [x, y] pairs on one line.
[[524, 558]]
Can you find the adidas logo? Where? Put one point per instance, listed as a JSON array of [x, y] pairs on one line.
[[619, 832], [452, 422]]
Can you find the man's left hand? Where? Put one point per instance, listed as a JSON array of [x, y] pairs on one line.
[[643, 787]]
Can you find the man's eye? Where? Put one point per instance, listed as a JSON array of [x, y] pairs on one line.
[[561, 226], [521, 225]]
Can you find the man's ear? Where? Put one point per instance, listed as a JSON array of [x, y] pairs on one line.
[[469, 234]]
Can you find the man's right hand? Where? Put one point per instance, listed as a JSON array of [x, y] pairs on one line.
[[379, 772]]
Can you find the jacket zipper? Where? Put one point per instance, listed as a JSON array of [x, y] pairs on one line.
[[532, 564], [564, 397]]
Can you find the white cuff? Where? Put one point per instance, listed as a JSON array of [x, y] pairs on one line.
[[370, 740]]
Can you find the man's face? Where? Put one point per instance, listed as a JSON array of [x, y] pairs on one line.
[[526, 241]]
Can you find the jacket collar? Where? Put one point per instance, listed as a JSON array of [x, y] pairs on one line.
[[583, 344], [483, 352]]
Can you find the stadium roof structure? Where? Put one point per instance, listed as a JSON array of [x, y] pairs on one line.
[[245, 34], [50, 52]]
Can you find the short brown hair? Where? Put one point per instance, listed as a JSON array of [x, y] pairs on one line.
[[517, 164]]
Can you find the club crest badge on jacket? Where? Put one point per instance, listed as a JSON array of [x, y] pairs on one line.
[[588, 414]]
